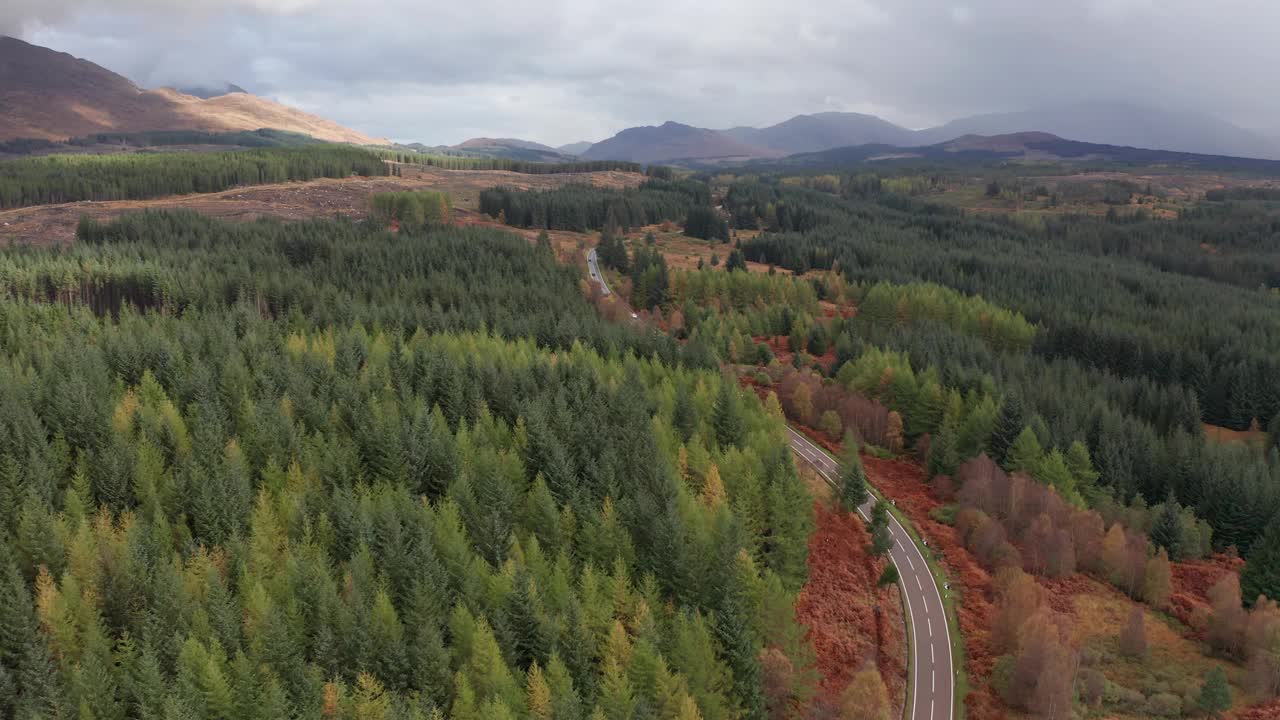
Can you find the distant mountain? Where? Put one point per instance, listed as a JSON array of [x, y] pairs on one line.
[[50, 95], [810, 133], [1114, 123], [575, 148], [205, 93], [673, 141], [1014, 147], [513, 149]]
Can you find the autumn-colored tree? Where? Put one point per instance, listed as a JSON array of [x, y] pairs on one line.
[[1043, 671], [1020, 598], [713, 493], [866, 697], [1133, 637], [1115, 556], [1227, 617], [894, 440], [1157, 581], [778, 677], [802, 404]]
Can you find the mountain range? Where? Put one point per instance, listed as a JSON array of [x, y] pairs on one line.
[[49, 95], [1116, 124]]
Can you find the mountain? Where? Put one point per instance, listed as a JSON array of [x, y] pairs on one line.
[[822, 131], [204, 93], [51, 95], [1024, 147], [575, 148], [1115, 123], [511, 148], [673, 141]]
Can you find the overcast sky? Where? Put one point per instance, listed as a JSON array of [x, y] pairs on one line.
[[559, 71]]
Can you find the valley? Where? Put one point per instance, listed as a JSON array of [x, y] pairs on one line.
[[830, 419]]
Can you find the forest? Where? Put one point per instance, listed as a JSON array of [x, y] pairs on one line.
[[527, 167], [318, 469], [582, 207], [1128, 355], [134, 176]]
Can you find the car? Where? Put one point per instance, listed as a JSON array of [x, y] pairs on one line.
[[634, 316]]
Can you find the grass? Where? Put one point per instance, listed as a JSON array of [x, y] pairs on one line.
[[960, 686]]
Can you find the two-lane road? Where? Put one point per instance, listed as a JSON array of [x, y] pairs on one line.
[[593, 268], [932, 669]]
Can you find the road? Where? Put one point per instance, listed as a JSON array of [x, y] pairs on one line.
[[593, 268], [933, 672]]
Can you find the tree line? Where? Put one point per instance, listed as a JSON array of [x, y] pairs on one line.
[[136, 176], [525, 167], [582, 208]]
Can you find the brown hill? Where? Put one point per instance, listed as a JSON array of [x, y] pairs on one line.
[[52, 95]]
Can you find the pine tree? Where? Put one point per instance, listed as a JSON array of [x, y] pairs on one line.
[[1215, 693], [1025, 452], [881, 540], [1261, 574], [889, 576], [1166, 531], [853, 478], [1009, 424], [726, 415]]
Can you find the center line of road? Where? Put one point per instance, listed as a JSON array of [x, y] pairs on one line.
[[930, 621], [918, 585]]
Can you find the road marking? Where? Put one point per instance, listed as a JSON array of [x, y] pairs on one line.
[[918, 585], [810, 449], [931, 658]]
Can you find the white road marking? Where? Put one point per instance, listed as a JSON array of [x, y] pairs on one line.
[[809, 451], [918, 585]]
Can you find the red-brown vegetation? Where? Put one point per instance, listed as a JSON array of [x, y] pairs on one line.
[[851, 622]]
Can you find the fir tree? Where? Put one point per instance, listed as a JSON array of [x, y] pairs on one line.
[[1261, 574], [1215, 693], [853, 478]]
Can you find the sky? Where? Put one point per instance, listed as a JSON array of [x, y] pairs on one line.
[[559, 71]]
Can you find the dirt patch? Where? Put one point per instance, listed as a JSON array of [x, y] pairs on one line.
[[851, 622], [327, 197], [1255, 437]]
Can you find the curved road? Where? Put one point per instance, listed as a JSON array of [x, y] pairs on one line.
[[932, 669], [593, 268]]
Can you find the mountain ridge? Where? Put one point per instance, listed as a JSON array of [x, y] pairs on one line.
[[1116, 124], [52, 95]]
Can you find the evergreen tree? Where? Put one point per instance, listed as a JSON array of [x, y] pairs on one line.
[[1025, 452], [1009, 424], [1261, 574], [1166, 531], [881, 540], [853, 478], [1215, 693], [726, 415]]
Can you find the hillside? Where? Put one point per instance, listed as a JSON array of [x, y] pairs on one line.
[[1025, 147], [1117, 124], [809, 133], [673, 141], [576, 148], [512, 148], [52, 95]]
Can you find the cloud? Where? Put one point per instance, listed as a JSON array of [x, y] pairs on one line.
[[563, 70]]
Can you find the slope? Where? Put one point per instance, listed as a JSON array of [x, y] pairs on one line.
[[52, 95], [673, 141]]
